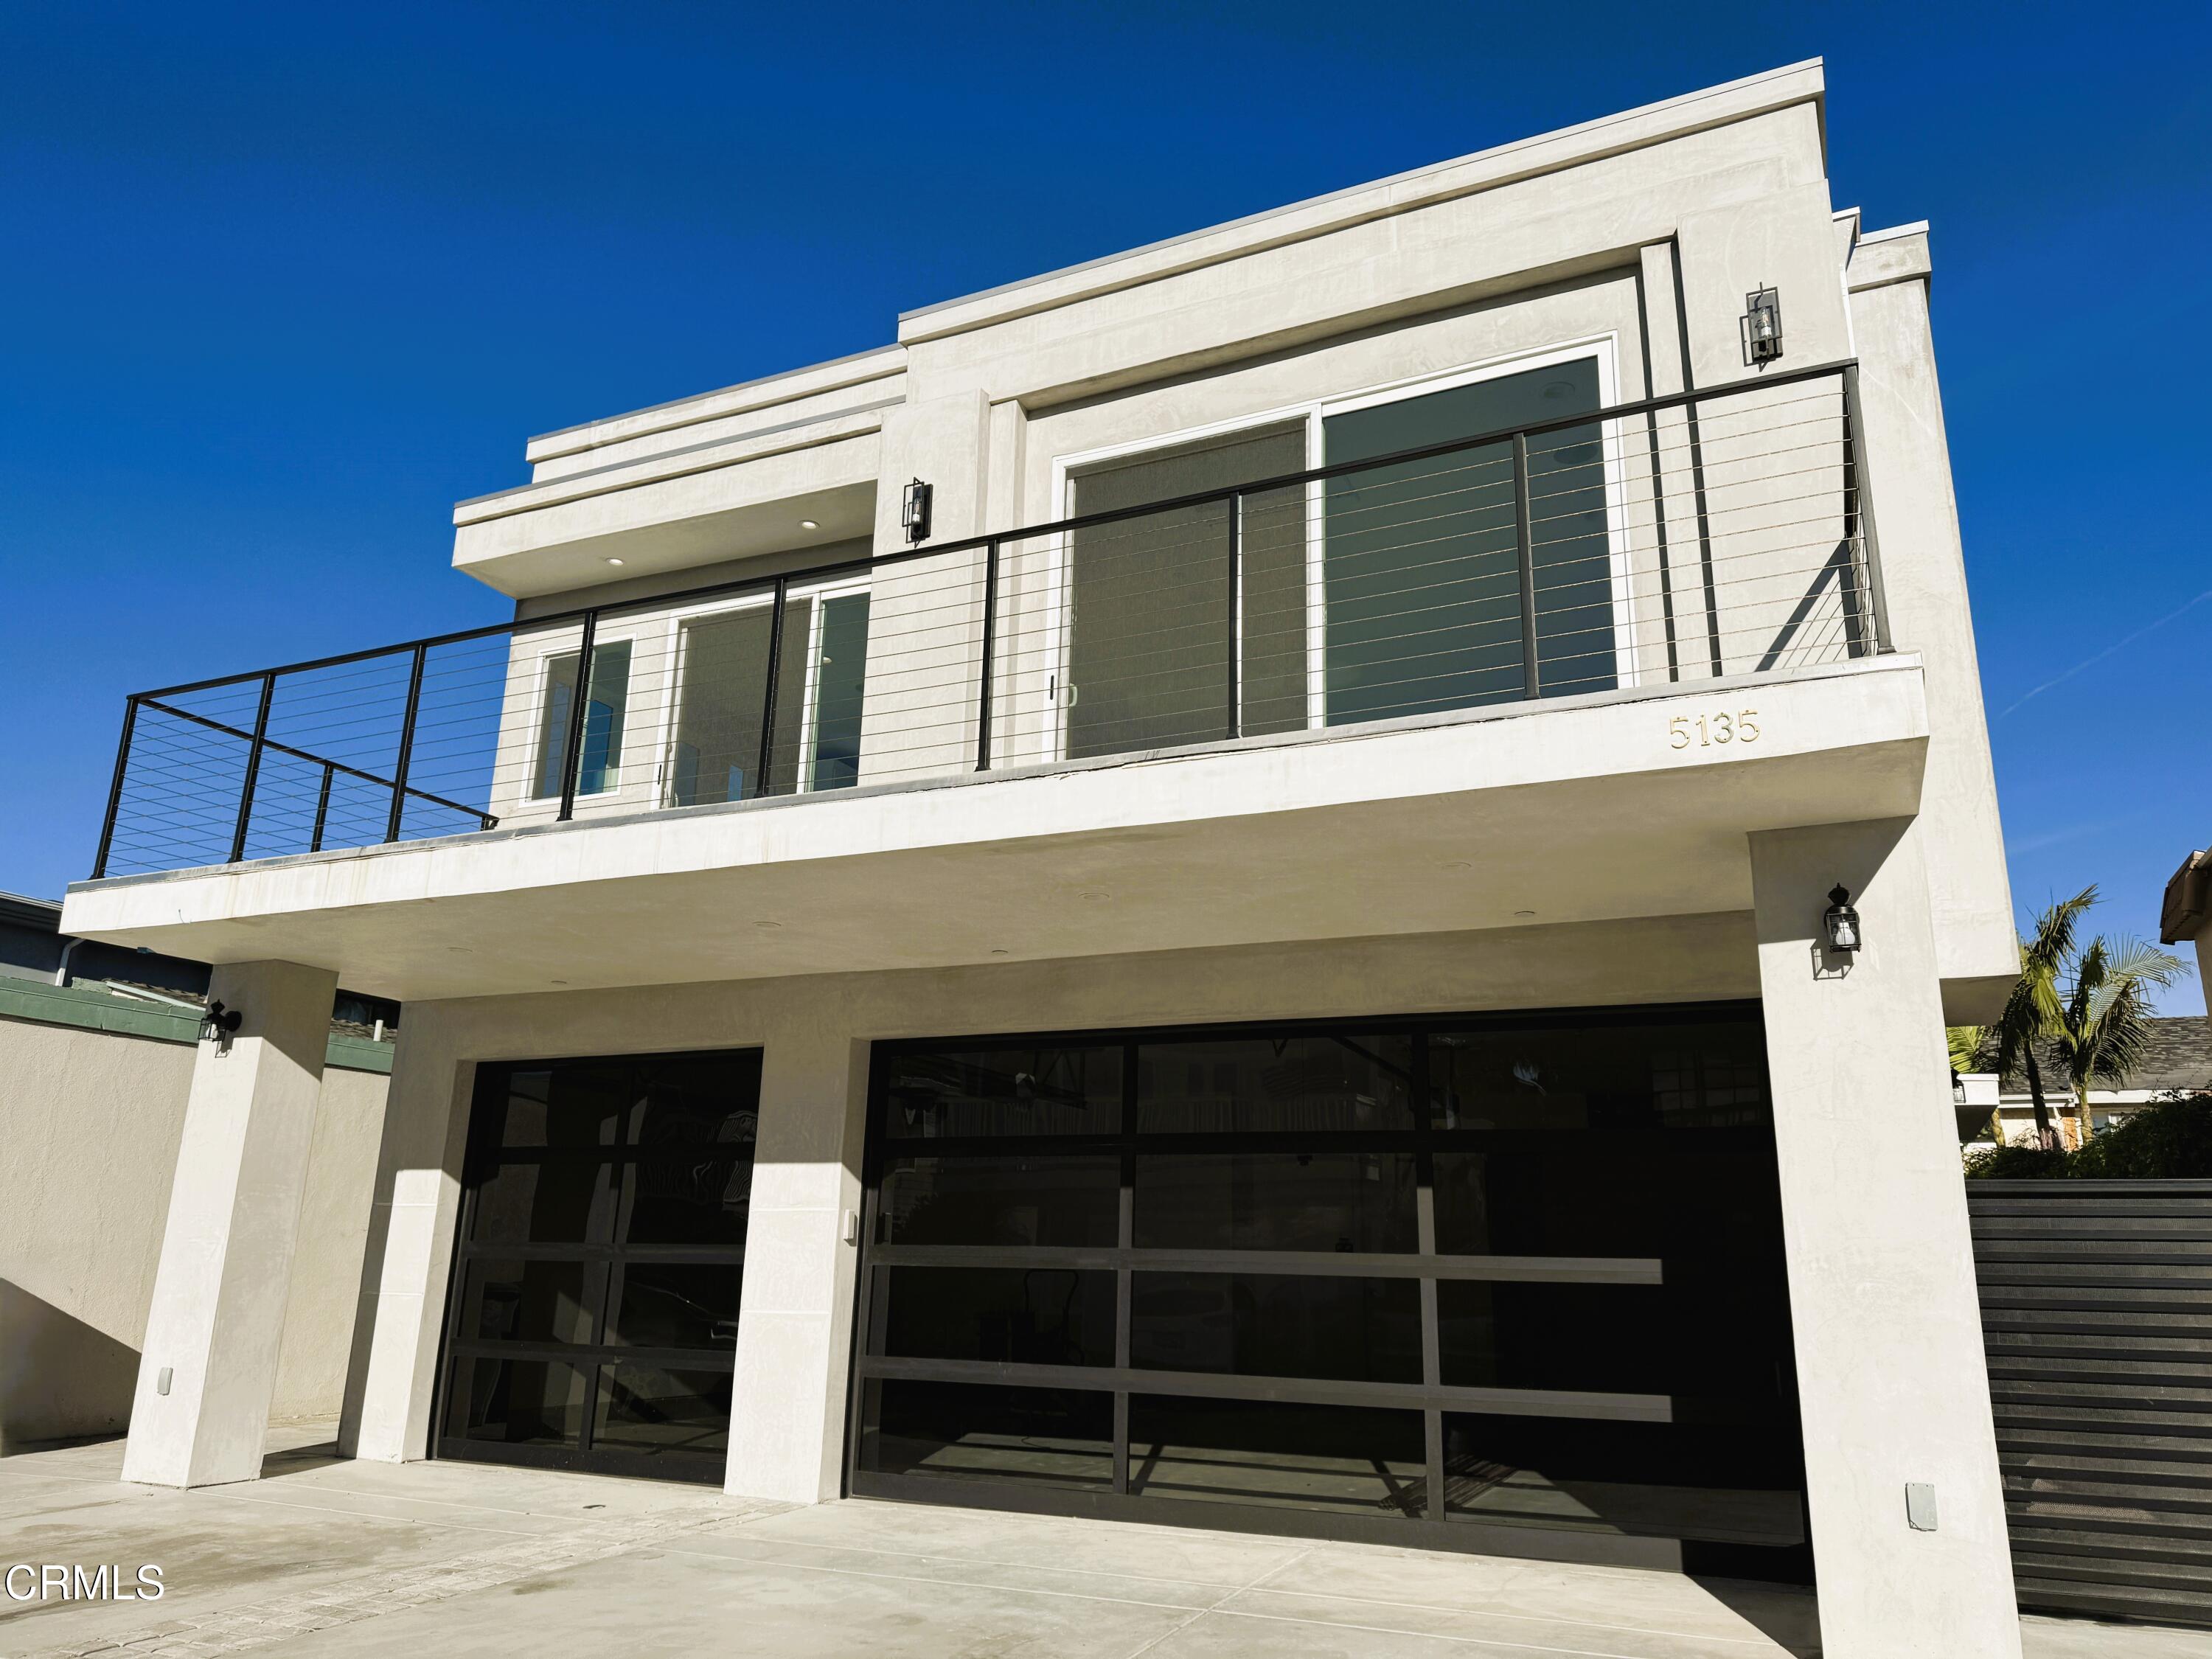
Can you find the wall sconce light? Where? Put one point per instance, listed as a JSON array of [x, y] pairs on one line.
[[914, 511], [1762, 327], [1843, 921], [220, 1022]]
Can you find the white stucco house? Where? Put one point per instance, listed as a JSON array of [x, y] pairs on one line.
[[1204, 890]]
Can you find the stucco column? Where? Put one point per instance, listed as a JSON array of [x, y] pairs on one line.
[[795, 1323], [201, 1411], [391, 1374], [1891, 1375]]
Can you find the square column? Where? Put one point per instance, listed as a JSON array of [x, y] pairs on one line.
[[208, 1370], [795, 1320], [1891, 1380]]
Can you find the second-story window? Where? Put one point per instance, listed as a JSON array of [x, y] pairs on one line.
[[598, 766], [722, 709], [1390, 589]]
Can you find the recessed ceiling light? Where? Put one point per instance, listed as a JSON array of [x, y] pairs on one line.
[[1094, 895], [614, 561], [1524, 912], [1459, 864], [808, 524], [560, 982], [997, 951], [769, 926]]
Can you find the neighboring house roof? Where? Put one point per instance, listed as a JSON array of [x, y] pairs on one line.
[[2178, 1056]]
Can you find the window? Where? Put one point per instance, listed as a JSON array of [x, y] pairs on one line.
[[840, 691], [716, 750], [1380, 593], [1423, 563], [598, 768], [1150, 618]]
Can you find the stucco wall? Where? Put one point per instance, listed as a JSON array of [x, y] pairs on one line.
[[90, 1121]]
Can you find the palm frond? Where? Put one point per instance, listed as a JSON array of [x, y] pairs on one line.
[[2107, 1029], [2035, 1010]]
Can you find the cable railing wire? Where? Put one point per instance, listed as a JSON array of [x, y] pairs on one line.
[[1668, 539]]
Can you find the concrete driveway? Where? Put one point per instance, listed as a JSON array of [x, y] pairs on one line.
[[322, 1557]]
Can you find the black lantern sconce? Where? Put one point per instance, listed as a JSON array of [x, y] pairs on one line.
[[1762, 328], [220, 1022], [1843, 921], [914, 511]]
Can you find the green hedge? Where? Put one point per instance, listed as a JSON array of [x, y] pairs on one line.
[[2172, 1140]]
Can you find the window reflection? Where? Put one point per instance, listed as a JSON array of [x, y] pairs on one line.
[[1276, 1084]]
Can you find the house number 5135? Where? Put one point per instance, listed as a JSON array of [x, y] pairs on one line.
[[1705, 730]]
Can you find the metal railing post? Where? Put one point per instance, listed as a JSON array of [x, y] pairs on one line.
[[990, 645], [1235, 589], [406, 747], [1863, 492], [572, 741], [1531, 678], [768, 696], [253, 768], [322, 808], [1705, 536], [115, 787]]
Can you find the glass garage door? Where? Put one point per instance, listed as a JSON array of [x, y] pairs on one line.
[[1507, 1287], [594, 1318]]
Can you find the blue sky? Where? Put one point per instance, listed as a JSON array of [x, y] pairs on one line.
[[282, 284]]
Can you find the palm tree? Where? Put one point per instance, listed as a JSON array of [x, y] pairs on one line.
[[2091, 1007], [2105, 1024], [2032, 1009]]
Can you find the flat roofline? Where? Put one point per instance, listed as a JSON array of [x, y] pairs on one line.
[[1684, 102], [890, 349]]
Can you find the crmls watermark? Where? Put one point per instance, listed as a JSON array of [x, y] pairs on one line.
[[54, 1583]]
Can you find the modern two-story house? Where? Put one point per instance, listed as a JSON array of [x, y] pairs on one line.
[[1304, 878]]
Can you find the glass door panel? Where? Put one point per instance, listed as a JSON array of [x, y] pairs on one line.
[[1153, 623], [1520, 1271], [1422, 572], [600, 1259], [840, 692], [722, 694]]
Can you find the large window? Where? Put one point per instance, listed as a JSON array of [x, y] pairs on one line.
[[1416, 1280], [594, 1312], [1375, 593]]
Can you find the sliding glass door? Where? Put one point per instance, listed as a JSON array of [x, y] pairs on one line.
[[1175, 636], [1378, 592], [1423, 579], [715, 750]]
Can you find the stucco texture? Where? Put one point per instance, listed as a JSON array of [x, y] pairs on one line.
[[91, 1122]]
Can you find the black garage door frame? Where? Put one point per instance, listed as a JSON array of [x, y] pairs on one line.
[[1429, 1396]]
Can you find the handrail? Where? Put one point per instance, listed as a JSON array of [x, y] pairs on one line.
[[1851, 568], [148, 700]]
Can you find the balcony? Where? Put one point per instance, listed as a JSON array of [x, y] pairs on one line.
[[1282, 698]]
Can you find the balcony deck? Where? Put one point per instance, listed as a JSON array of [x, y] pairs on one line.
[[1514, 815]]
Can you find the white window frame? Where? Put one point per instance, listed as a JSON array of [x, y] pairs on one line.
[[1313, 413], [672, 625], [543, 655]]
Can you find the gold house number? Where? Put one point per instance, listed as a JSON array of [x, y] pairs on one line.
[[1740, 725]]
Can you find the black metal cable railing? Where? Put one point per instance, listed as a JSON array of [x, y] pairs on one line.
[[1692, 537]]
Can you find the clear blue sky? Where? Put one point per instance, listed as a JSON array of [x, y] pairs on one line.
[[283, 282]]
